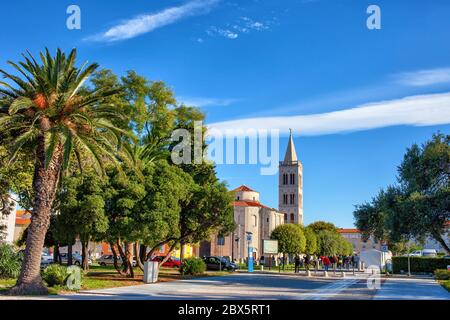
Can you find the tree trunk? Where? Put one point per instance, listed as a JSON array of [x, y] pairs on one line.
[[116, 265], [45, 183], [69, 255], [84, 255], [150, 254], [137, 253], [439, 239], [169, 253], [143, 252], [181, 256], [56, 253], [129, 258]]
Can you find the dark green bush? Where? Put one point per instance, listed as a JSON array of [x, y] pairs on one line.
[[55, 275], [442, 274], [10, 261], [193, 266], [419, 264]]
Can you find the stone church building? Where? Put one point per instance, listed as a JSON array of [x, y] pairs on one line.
[[251, 216]]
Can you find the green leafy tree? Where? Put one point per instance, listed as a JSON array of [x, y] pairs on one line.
[[322, 225], [44, 112], [291, 239], [420, 205], [329, 242], [311, 241], [82, 210]]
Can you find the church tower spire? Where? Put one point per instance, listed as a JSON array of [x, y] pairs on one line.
[[290, 155], [290, 185]]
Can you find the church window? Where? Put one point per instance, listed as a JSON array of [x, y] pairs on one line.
[[292, 217], [255, 221], [292, 178], [292, 199], [285, 199]]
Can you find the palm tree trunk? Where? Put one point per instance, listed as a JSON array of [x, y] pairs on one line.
[[45, 182]]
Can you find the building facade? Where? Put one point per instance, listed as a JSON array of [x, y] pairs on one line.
[[354, 236], [258, 220], [251, 217]]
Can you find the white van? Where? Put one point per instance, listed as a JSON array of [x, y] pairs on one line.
[[424, 253], [429, 253]]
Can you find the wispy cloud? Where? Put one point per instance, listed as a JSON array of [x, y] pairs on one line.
[[423, 110], [242, 26], [207, 102], [424, 78], [148, 22]]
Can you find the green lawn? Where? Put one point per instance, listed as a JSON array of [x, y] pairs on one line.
[[445, 284]]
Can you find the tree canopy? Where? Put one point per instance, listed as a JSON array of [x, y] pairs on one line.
[[419, 205]]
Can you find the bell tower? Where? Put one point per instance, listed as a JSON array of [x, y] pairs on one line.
[[290, 185]]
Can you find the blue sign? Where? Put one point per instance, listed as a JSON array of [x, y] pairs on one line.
[[250, 259]]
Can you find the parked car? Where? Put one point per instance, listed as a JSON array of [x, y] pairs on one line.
[[172, 262], [219, 263], [424, 253], [108, 260], [46, 259], [76, 258]]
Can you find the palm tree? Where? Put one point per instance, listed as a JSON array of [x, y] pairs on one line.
[[47, 111]]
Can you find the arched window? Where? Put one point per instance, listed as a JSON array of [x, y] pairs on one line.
[[292, 217], [255, 221]]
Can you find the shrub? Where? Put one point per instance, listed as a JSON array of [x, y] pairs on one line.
[[193, 266], [10, 261], [419, 264], [442, 274], [55, 275]]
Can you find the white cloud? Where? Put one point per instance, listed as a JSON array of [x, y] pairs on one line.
[[424, 78], [243, 25], [212, 31], [148, 22], [423, 110], [207, 102]]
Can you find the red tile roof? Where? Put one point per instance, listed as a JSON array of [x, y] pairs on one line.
[[243, 188], [343, 230], [246, 203]]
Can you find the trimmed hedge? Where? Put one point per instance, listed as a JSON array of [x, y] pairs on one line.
[[419, 264]]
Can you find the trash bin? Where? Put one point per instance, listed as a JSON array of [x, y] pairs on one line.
[[151, 269]]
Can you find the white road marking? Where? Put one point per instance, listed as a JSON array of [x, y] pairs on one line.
[[330, 290]]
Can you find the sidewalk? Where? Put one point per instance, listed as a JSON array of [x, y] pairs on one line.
[[411, 289]]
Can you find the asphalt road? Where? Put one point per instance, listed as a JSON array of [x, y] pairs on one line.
[[243, 286]]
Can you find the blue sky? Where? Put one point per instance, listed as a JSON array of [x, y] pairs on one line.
[[247, 62]]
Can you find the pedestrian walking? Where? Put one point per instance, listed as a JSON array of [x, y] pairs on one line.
[[297, 263]]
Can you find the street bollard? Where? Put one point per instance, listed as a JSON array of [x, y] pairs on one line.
[[325, 274], [262, 268], [343, 274], [308, 273]]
